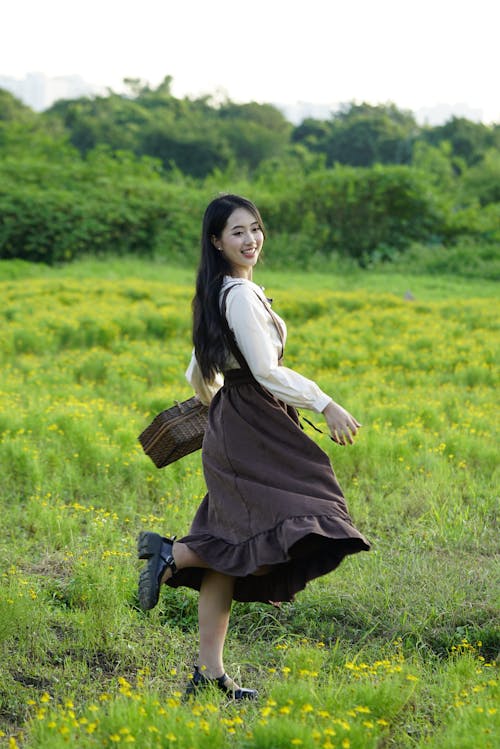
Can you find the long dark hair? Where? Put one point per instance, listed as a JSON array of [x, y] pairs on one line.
[[208, 337]]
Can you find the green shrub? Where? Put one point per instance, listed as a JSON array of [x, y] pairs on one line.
[[52, 224], [353, 211], [56, 206], [466, 258]]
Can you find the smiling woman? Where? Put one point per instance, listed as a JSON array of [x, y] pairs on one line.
[[241, 242], [274, 517]]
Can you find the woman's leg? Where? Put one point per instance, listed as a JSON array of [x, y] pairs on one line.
[[214, 608], [183, 557]]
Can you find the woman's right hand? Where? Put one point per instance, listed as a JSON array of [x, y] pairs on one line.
[[342, 425]]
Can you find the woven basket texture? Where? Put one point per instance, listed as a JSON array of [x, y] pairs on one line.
[[176, 432]]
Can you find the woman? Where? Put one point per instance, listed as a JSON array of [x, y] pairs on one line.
[[274, 516]]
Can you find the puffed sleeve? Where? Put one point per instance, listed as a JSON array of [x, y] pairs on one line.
[[203, 389], [258, 341]]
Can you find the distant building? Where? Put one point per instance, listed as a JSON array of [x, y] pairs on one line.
[[39, 91], [298, 111], [435, 115], [440, 113]]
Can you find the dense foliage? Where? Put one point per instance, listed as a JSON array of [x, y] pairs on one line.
[[132, 173]]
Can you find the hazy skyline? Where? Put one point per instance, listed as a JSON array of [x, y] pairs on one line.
[[417, 55]]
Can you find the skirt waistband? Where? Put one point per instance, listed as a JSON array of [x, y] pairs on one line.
[[235, 377]]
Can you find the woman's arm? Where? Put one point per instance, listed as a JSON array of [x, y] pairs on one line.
[[258, 341], [203, 389]]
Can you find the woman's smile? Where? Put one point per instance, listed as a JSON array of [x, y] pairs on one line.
[[241, 242]]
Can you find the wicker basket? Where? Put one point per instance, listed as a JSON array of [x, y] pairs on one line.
[[175, 432]]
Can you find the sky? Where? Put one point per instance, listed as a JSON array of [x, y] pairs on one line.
[[414, 53]]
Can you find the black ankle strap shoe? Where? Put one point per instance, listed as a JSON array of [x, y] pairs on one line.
[[158, 551], [199, 680]]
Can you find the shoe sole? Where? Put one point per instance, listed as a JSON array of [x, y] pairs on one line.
[[148, 544], [148, 547]]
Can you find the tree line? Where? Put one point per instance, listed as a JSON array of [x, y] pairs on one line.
[[118, 172], [198, 135]]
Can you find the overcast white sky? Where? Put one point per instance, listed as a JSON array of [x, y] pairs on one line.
[[416, 53]]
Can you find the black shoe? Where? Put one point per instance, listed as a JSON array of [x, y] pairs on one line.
[[158, 551], [198, 680]]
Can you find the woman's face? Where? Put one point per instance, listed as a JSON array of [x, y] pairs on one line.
[[241, 242]]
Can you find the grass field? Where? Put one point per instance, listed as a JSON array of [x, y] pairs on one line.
[[397, 648]]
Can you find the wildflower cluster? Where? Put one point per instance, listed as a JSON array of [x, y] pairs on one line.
[[130, 714], [309, 724]]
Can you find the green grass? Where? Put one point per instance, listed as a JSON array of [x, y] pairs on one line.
[[397, 648], [339, 275]]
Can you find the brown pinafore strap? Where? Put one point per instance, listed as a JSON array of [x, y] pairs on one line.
[[230, 337]]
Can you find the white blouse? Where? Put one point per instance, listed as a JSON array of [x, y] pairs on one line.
[[260, 343]]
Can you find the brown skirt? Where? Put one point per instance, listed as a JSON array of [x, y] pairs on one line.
[[273, 499]]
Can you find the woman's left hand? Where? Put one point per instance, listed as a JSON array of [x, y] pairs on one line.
[[342, 425]]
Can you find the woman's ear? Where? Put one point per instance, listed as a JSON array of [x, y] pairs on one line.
[[215, 242]]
